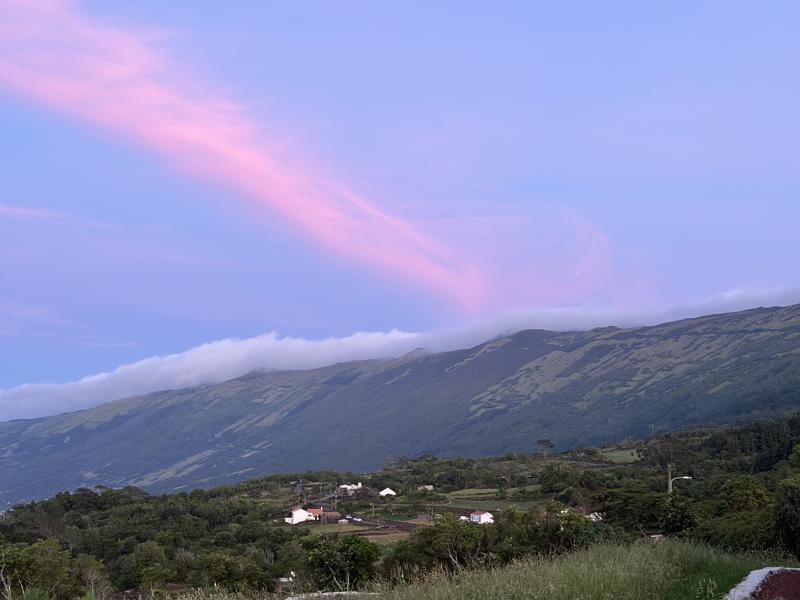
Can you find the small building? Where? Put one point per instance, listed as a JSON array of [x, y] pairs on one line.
[[481, 517], [299, 515], [330, 517], [350, 488], [425, 488], [387, 492]]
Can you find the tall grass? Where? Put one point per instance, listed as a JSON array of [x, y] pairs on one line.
[[667, 570]]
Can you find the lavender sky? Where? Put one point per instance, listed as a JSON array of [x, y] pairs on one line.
[[175, 173]]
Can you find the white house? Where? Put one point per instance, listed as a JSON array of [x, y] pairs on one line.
[[350, 488], [299, 515], [425, 488], [481, 517], [387, 492]]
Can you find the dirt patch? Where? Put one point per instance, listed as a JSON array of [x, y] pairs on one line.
[[782, 585]]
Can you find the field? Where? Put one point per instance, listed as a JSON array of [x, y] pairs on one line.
[[620, 456], [384, 539], [667, 570], [487, 499], [331, 528]]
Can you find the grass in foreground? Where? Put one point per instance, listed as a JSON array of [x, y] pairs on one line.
[[667, 570]]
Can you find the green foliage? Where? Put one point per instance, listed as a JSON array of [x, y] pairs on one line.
[[451, 544], [42, 566], [667, 570], [745, 493], [36, 594], [788, 513], [144, 541], [344, 564], [739, 531], [678, 515], [794, 458]]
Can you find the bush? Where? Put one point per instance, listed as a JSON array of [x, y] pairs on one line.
[[787, 517]]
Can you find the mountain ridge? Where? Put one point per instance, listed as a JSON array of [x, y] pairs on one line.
[[575, 387]]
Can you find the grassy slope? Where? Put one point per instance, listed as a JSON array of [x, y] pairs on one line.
[[668, 570]]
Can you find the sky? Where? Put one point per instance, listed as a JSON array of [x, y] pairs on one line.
[[194, 189]]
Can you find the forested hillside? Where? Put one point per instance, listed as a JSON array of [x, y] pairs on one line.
[[744, 495], [573, 388]]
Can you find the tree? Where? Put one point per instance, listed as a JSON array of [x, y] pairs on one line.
[[153, 578], [93, 575], [677, 515], [343, 564], [449, 544], [151, 564], [794, 458], [744, 493], [545, 445], [787, 517], [40, 566]]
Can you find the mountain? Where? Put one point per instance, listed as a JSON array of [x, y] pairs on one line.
[[575, 388]]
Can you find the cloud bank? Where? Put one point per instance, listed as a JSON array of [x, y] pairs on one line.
[[226, 359]]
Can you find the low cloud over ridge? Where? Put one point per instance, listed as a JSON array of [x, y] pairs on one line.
[[226, 359]]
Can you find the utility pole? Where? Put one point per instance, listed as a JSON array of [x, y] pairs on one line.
[[670, 478]]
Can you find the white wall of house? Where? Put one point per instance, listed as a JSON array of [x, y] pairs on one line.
[[481, 518], [299, 515]]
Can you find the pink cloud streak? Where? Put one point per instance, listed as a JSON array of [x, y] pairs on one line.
[[27, 213], [118, 79]]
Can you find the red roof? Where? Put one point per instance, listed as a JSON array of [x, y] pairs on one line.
[[316, 511]]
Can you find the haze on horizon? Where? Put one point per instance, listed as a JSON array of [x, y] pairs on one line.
[[182, 173]]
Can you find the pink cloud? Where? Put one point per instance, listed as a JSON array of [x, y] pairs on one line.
[[120, 80], [27, 213]]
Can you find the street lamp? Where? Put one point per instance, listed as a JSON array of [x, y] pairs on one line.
[[670, 478]]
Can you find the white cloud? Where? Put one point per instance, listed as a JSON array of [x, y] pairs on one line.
[[226, 359]]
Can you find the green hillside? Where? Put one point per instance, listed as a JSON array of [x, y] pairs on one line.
[[596, 508], [574, 388]]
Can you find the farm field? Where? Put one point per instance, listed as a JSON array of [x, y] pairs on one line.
[[620, 456]]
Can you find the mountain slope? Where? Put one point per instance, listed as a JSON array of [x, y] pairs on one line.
[[577, 388]]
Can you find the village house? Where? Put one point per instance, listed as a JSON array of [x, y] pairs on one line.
[[481, 517], [387, 492], [299, 515], [425, 488], [350, 488]]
